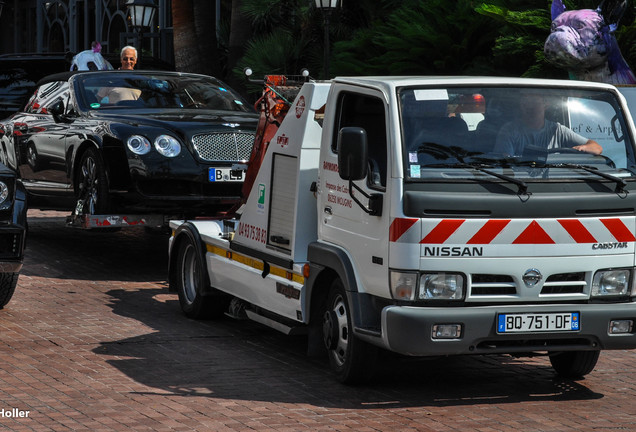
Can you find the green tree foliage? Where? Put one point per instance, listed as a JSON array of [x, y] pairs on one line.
[[400, 37], [281, 32], [524, 26], [421, 37], [288, 35]]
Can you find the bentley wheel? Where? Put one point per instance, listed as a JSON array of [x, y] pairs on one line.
[[192, 283], [32, 157], [8, 282], [574, 364], [352, 359], [92, 184]]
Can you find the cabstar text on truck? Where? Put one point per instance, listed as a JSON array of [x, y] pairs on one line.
[[432, 216]]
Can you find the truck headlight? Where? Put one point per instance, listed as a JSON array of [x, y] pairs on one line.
[[441, 286], [412, 286], [611, 283], [167, 146]]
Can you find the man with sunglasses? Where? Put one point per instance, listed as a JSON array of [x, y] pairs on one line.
[[128, 58]]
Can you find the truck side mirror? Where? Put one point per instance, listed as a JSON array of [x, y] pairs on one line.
[[352, 153], [353, 161]]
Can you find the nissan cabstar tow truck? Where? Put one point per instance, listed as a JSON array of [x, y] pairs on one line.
[[426, 216]]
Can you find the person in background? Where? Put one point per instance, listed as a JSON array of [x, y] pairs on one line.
[[128, 57], [533, 129]]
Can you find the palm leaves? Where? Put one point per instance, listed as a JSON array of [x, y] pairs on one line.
[[399, 37]]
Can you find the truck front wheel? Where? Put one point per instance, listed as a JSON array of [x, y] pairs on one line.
[[8, 282], [191, 284], [352, 359], [574, 364]]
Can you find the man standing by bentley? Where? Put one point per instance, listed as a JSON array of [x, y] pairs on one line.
[[128, 58]]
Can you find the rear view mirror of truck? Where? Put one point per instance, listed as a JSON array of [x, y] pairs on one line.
[[352, 153]]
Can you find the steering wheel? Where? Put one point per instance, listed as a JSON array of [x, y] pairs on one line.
[[564, 150]]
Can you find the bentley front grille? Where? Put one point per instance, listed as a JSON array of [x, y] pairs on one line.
[[224, 146]]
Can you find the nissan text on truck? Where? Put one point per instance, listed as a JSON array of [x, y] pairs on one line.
[[422, 216]]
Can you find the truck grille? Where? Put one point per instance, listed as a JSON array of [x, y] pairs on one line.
[[494, 284], [565, 283], [224, 146]]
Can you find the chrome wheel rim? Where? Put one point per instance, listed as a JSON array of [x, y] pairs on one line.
[[88, 185], [190, 274], [339, 310]]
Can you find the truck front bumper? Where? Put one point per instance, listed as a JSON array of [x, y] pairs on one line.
[[409, 330]]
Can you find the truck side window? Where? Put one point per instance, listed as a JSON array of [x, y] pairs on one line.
[[368, 113]]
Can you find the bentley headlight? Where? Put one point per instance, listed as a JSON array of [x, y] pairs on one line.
[[138, 144], [4, 192], [167, 146], [611, 283], [441, 286]]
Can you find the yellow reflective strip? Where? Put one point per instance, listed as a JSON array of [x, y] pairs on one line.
[[277, 271], [256, 264], [216, 250], [250, 262]]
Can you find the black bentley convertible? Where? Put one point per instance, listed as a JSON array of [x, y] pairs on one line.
[[130, 142]]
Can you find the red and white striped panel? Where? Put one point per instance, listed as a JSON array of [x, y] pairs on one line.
[[512, 231]]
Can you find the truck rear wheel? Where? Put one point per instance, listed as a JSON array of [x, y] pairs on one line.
[[574, 364], [352, 359], [191, 283]]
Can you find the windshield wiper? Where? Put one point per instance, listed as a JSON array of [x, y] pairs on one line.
[[523, 187], [620, 183]]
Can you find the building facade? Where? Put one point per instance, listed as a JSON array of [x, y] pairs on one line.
[[61, 26]]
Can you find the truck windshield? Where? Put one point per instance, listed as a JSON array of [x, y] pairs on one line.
[[533, 134]]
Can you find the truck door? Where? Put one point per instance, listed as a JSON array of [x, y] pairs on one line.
[[342, 221]]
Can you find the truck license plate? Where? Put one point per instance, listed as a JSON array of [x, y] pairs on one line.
[[538, 322], [225, 175]]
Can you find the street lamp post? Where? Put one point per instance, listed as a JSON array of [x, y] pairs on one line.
[[326, 6], [140, 15]]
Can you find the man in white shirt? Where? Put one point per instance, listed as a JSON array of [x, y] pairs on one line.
[[534, 130]]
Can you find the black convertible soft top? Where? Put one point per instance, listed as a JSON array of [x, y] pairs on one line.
[[60, 76], [65, 76]]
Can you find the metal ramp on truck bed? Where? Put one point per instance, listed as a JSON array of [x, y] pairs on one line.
[[115, 221]]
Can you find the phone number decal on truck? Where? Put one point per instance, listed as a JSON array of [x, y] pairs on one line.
[[252, 232]]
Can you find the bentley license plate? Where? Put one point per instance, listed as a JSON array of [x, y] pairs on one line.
[[538, 322], [225, 175]]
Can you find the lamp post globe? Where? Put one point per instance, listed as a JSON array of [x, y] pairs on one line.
[[140, 14]]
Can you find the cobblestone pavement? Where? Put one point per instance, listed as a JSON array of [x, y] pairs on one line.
[[92, 341]]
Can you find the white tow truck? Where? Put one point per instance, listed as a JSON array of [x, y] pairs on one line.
[[399, 213]]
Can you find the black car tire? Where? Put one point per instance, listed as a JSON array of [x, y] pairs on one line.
[[8, 282], [191, 282], [574, 364], [92, 184]]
